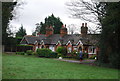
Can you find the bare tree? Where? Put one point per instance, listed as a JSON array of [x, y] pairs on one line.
[[91, 11], [72, 28]]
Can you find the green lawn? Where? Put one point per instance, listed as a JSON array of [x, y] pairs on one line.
[[30, 67]]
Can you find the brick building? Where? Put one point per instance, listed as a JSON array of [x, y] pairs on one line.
[[85, 42]]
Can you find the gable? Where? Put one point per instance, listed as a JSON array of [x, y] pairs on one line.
[[69, 43], [24, 41], [79, 43], [58, 43]]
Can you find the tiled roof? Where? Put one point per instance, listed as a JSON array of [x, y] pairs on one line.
[[53, 39]]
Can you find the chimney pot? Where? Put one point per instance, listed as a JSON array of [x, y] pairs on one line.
[[83, 24]]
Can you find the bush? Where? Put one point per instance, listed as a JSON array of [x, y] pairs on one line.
[[74, 53], [53, 55], [34, 53], [77, 56], [44, 52], [29, 52], [92, 57], [20, 53], [61, 50], [85, 55]]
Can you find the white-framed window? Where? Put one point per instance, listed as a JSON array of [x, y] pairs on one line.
[[36, 47], [75, 48], [42, 46], [92, 50], [69, 49], [51, 47]]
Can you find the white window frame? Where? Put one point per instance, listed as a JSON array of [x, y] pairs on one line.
[[91, 49], [69, 49], [36, 47], [51, 47]]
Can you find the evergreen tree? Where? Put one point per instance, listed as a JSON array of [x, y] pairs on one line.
[[50, 20], [7, 8], [21, 32], [110, 35]]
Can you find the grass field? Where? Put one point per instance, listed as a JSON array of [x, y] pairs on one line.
[[30, 67]]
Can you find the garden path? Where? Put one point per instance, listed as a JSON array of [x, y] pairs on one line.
[[88, 61]]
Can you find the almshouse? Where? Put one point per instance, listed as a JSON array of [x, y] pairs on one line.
[[85, 42]]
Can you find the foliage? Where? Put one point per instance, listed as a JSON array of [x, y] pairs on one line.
[[114, 60], [49, 21], [59, 55], [91, 11], [53, 55], [34, 53], [92, 57], [29, 52], [7, 8], [23, 45], [43, 52], [109, 36], [21, 32], [46, 53], [18, 39], [85, 55], [11, 41], [20, 53], [61, 50], [74, 53]]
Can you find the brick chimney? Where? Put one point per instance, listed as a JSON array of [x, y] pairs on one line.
[[63, 31], [84, 29], [49, 31]]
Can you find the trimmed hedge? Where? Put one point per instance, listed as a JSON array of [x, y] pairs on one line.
[[61, 50], [44, 52], [20, 53], [53, 55], [29, 52]]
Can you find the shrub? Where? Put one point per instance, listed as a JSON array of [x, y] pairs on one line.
[[34, 53], [85, 55], [77, 56], [59, 55], [53, 55], [92, 57], [44, 52], [61, 50], [74, 53], [29, 52], [20, 53]]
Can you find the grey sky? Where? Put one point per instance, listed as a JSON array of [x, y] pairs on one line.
[[35, 11]]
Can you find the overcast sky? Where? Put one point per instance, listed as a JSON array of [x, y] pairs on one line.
[[35, 11]]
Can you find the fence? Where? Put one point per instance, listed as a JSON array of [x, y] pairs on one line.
[[17, 48]]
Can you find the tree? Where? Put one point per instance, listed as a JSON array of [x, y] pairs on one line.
[[72, 28], [108, 18], [7, 8], [110, 35], [21, 32], [49, 21], [91, 11], [61, 50]]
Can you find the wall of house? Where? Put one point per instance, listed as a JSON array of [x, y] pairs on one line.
[[69, 48], [52, 47], [57, 46], [92, 50]]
